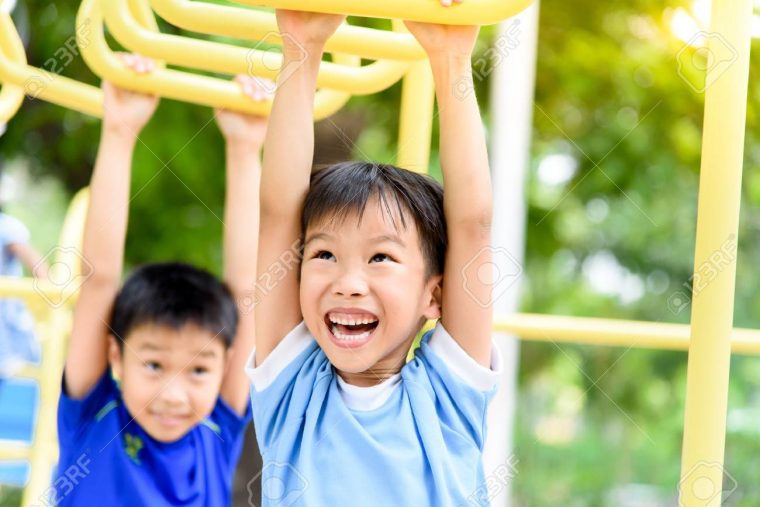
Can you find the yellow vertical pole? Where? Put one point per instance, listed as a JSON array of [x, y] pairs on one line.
[[717, 227], [416, 122], [44, 453]]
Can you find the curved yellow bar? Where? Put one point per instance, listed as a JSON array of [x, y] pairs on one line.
[[226, 58], [470, 12], [11, 97], [38, 83], [197, 89], [244, 24]]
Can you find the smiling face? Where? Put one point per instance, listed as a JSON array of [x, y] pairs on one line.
[[365, 292], [170, 378]]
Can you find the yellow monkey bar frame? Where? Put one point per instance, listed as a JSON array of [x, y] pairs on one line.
[[229, 59], [471, 12], [244, 24], [710, 338]]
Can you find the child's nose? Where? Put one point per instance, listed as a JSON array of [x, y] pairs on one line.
[[350, 283], [174, 393]]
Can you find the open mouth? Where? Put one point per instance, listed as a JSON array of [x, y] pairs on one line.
[[351, 329], [169, 420]]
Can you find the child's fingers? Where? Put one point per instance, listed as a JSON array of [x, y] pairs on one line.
[[137, 63], [446, 3]]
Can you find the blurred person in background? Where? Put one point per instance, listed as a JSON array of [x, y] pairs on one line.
[[18, 341]]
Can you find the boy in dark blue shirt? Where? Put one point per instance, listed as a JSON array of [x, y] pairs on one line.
[[169, 431]]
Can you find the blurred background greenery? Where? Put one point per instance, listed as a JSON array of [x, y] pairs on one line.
[[596, 426]]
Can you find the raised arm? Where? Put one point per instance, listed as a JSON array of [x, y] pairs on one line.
[[244, 136], [466, 308], [288, 156], [30, 258], [125, 114]]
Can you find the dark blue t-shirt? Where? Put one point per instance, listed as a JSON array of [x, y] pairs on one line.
[[107, 459]]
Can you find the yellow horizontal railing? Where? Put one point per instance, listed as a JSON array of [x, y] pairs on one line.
[[40, 83], [229, 59], [535, 327], [184, 86], [257, 25], [469, 12], [30, 372], [14, 451], [615, 332]]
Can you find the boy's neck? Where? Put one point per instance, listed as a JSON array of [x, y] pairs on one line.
[[372, 377]]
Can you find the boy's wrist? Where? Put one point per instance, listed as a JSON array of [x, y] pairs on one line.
[[450, 60], [451, 71], [300, 51], [120, 130], [242, 144]]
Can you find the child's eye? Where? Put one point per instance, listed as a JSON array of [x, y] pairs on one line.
[[199, 371], [381, 257], [324, 255], [152, 366]]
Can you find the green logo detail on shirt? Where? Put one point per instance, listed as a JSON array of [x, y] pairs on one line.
[[132, 445]]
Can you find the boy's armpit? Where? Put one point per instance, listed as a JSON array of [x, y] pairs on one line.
[[462, 364], [288, 349]]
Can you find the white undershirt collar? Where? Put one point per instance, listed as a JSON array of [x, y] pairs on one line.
[[364, 399]]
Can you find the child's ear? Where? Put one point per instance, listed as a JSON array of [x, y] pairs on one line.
[[434, 297], [114, 356]]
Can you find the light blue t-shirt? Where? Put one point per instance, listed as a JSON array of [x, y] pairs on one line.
[[417, 439]]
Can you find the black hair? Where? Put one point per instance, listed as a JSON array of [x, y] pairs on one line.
[[344, 189], [174, 295]]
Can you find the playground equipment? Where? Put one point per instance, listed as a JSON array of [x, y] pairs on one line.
[[709, 339], [51, 305]]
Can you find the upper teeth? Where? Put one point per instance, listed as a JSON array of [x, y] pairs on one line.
[[352, 322]]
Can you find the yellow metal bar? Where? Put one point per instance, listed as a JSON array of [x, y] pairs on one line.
[[11, 98], [226, 58], [614, 332], [29, 372], [250, 24], [44, 449], [143, 14], [470, 12], [416, 121], [174, 84], [14, 451], [39, 83], [717, 224], [11, 95], [32, 291]]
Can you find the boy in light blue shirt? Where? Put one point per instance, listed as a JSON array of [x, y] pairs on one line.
[[342, 418]]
